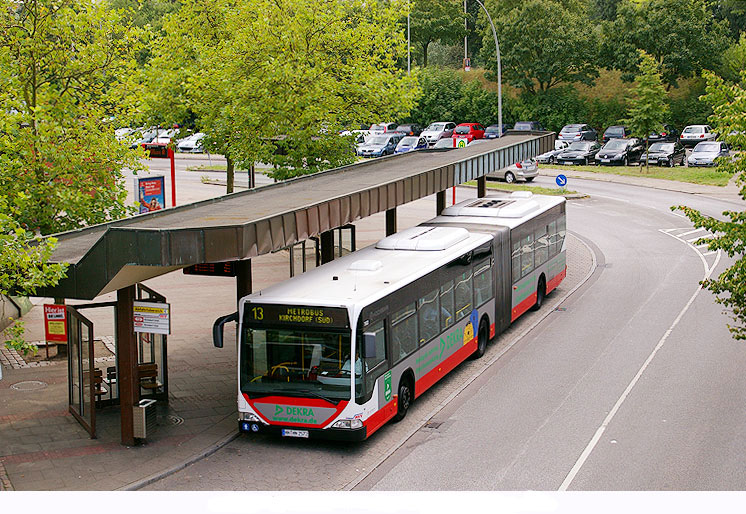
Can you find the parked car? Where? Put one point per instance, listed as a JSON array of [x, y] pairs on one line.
[[123, 133], [527, 125], [579, 152], [577, 132], [526, 170], [380, 145], [158, 146], [705, 153], [446, 142], [694, 134], [615, 132], [669, 133], [621, 151], [438, 130], [551, 156], [143, 135], [468, 131], [493, 131], [410, 143], [410, 129], [382, 128], [191, 144], [666, 154]]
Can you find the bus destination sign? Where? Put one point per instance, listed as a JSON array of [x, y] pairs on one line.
[[296, 315]]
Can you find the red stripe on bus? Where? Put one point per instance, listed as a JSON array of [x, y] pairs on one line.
[[432, 376], [553, 283], [301, 402], [380, 417], [523, 306], [492, 331]]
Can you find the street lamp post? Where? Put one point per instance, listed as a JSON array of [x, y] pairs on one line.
[[499, 73]]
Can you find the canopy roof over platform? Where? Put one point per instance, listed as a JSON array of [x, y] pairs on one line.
[[246, 224]]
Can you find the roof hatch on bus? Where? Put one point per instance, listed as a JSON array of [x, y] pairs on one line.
[[517, 205], [424, 239]]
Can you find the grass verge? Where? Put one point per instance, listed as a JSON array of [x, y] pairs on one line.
[[504, 186], [704, 176]]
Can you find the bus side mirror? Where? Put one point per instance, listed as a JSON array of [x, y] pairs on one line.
[[369, 345], [217, 328]]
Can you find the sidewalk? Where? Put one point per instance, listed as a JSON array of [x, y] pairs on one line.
[[42, 447]]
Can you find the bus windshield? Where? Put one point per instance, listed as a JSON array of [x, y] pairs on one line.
[[296, 362]]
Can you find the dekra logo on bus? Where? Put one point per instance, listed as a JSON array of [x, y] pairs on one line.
[[305, 412]]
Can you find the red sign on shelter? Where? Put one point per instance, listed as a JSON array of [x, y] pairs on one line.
[[55, 323]]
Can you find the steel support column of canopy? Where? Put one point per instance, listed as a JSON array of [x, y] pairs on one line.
[[482, 187], [127, 359], [440, 202], [326, 240], [243, 279], [391, 221]]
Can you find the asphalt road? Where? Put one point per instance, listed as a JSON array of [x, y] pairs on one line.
[[635, 384]]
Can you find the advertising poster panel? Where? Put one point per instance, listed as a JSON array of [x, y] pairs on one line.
[[151, 193]]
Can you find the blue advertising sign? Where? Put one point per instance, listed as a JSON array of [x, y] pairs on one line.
[[561, 180], [151, 193]]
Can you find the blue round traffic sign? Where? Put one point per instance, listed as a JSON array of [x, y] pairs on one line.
[[561, 180]]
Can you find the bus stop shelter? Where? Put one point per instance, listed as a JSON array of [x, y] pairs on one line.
[[117, 256]]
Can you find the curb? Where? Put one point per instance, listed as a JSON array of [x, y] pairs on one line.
[[351, 485], [139, 484]]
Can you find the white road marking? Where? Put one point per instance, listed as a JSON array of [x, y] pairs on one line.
[[600, 431], [690, 232], [706, 236]]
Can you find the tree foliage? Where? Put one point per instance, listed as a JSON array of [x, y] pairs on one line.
[[436, 20], [682, 35], [276, 80], [729, 120], [647, 108], [24, 266], [544, 43], [65, 69]]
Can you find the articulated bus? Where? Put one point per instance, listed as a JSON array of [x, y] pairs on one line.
[[340, 350]]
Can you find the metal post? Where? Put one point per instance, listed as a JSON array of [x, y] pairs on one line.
[[327, 246], [440, 202], [466, 28], [243, 279], [391, 221], [173, 175], [481, 187], [409, 59], [499, 71], [129, 390]]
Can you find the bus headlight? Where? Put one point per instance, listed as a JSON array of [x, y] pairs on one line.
[[348, 423], [247, 416]]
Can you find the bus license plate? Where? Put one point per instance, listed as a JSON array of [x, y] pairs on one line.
[[287, 432]]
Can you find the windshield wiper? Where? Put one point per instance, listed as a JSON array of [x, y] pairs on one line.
[[318, 395]]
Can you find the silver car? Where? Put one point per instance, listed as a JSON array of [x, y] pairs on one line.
[[551, 156], [437, 131], [704, 154], [577, 132], [526, 170]]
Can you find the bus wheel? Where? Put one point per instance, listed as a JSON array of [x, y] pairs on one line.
[[540, 293], [482, 337], [405, 398]]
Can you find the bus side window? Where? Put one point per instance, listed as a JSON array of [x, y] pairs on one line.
[[463, 296], [403, 332], [446, 305], [482, 282], [516, 261], [374, 366], [427, 309], [553, 247], [560, 233], [542, 243], [527, 254]]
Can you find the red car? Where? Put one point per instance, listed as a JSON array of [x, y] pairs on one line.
[[468, 131]]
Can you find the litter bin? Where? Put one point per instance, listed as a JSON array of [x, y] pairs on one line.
[[144, 418]]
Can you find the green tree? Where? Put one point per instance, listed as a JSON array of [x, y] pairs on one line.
[[436, 20], [647, 108], [729, 120], [734, 60], [544, 43], [65, 70], [276, 80], [24, 266], [682, 35]]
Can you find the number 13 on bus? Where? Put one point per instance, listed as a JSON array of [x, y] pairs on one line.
[[346, 347]]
